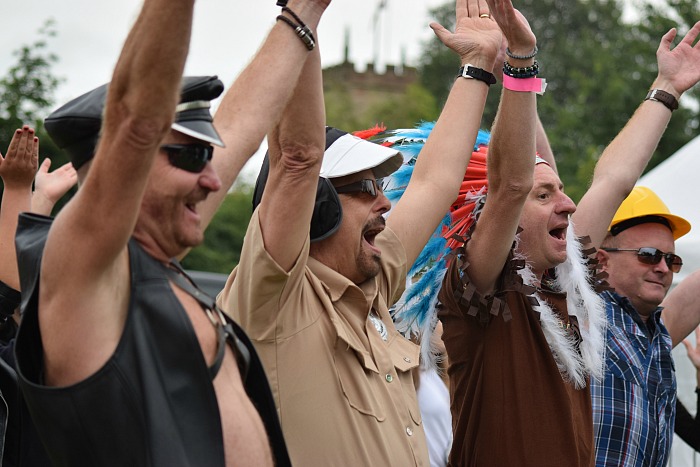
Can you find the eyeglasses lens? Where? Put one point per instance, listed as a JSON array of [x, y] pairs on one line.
[[654, 256], [190, 157]]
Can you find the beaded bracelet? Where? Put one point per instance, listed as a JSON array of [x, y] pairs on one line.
[[301, 29], [521, 72], [522, 57]]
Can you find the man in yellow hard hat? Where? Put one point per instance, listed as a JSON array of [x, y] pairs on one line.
[[634, 404]]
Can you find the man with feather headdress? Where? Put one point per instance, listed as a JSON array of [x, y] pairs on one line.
[[523, 327]]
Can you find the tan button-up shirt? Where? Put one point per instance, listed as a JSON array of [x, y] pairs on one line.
[[345, 397]]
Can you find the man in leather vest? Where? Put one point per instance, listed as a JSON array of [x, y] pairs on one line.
[[123, 361]]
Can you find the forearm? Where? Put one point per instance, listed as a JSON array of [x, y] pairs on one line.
[[139, 109], [542, 145], [41, 204], [681, 309], [14, 201], [296, 151], [254, 103]]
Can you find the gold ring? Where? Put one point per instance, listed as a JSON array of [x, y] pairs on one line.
[[484, 15]]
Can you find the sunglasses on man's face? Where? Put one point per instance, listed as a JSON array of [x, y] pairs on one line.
[[367, 185], [648, 255], [190, 157]]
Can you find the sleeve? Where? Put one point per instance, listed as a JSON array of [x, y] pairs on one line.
[[687, 427], [260, 295], [10, 299]]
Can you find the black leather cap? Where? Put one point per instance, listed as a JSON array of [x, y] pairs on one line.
[[75, 127]]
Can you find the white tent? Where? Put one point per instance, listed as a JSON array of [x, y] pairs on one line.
[[677, 183]]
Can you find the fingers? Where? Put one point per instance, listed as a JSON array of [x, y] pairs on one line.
[[440, 31], [688, 346], [45, 165], [667, 39], [692, 35], [484, 10], [34, 156], [14, 144]]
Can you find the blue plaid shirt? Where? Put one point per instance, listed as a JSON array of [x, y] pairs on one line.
[[634, 407]]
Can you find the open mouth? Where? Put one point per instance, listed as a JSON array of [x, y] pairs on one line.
[[558, 233], [371, 235]]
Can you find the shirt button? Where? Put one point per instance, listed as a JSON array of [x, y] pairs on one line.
[[407, 360], [389, 378], [409, 432]]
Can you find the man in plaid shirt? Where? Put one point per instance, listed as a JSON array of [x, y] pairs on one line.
[[634, 405]]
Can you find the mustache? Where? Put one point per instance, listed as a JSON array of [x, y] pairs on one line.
[[375, 223]]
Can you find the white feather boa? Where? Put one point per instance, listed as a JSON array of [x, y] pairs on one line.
[[584, 303]]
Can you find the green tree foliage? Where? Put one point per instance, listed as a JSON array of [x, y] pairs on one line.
[[598, 69], [416, 105], [223, 239]]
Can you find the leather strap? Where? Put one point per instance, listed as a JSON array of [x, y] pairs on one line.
[[223, 328]]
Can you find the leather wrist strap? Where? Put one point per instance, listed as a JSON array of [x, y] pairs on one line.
[[471, 72], [667, 99]]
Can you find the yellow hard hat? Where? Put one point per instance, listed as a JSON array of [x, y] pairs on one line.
[[643, 202]]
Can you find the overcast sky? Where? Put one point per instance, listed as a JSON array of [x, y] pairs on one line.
[[226, 34]]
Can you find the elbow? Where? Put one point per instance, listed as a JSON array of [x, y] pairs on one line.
[[298, 157]]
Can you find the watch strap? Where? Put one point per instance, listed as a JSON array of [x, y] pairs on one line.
[[666, 98], [471, 72]]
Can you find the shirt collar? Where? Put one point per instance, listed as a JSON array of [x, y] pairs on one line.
[[625, 305]]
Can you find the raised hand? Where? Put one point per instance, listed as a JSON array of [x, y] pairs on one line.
[[679, 68], [19, 165], [476, 38], [516, 29], [50, 186]]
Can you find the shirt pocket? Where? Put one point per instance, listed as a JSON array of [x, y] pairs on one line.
[[405, 357], [360, 381], [623, 363]]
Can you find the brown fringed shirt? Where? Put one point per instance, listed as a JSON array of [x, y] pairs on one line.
[[510, 405]]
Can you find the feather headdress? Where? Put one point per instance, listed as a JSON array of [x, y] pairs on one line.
[[414, 314]]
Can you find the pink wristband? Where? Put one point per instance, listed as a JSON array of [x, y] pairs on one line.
[[537, 85]]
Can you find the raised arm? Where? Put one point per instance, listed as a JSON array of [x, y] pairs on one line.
[[296, 149], [510, 163], [681, 313], [17, 171], [625, 158], [440, 168], [254, 103], [140, 107], [83, 295]]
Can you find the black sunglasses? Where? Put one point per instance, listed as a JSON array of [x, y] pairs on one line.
[[190, 157], [648, 255], [367, 185]]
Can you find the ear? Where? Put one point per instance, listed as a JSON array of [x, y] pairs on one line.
[[602, 256]]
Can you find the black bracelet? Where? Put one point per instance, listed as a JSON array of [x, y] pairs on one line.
[[522, 57], [302, 31], [471, 72], [521, 72]]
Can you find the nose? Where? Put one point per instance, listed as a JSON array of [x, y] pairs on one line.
[[209, 179], [662, 267], [565, 205], [382, 203]]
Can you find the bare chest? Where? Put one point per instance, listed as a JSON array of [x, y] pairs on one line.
[[245, 438]]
